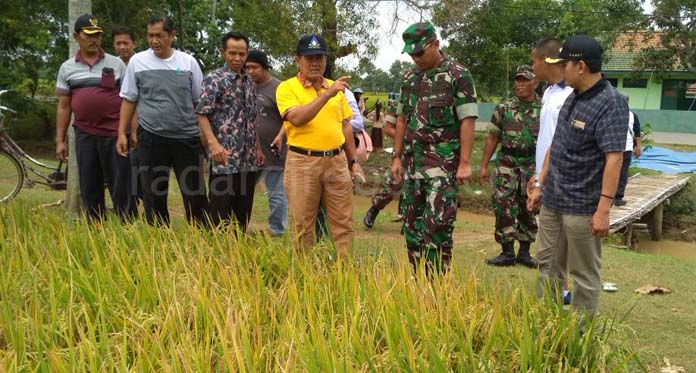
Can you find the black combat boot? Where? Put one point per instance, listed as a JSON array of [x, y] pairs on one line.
[[506, 258], [523, 256], [370, 217]]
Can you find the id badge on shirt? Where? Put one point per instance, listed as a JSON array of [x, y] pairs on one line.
[[108, 78], [578, 124]]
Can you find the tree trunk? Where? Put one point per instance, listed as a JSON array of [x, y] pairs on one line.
[[180, 34], [73, 203], [329, 30]]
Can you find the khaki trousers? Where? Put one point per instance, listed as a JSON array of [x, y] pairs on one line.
[[566, 241], [309, 180]]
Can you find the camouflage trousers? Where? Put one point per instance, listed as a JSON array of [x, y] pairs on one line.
[[512, 219], [390, 190], [429, 208]]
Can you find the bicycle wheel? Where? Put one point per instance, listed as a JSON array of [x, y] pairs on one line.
[[11, 176]]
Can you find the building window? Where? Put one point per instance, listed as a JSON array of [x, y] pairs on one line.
[[635, 83], [614, 81]]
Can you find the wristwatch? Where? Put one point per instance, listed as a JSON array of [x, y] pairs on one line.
[[539, 185], [352, 162], [396, 155]]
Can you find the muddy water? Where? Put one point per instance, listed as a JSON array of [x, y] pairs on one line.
[[676, 249]]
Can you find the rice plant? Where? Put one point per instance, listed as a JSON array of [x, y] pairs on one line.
[[110, 296]]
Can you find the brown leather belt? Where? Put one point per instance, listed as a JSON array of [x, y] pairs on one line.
[[316, 153]]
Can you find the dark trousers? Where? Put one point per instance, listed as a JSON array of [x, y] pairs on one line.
[[232, 194], [623, 178], [156, 156], [97, 163]]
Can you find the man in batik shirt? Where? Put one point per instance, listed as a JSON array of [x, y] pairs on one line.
[[226, 114]]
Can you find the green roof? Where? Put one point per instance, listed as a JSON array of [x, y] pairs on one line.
[[619, 61]]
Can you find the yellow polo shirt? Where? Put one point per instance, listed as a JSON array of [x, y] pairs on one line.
[[324, 131]]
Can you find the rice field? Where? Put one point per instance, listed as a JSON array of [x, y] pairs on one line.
[[110, 296]]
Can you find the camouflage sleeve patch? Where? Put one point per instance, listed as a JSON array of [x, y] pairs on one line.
[[465, 96], [467, 111], [496, 125]]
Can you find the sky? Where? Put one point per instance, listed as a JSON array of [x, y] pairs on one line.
[[389, 47]]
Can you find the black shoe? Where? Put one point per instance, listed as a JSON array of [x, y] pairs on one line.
[[506, 258], [619, 202], [527, 261], [502, 260], [523, 256], [370, 217]]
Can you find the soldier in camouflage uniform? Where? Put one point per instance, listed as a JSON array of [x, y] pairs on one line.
[[436, 114], [390, 188], [515, 125]]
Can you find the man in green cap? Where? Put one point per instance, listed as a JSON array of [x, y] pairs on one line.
[[434, 134], [515, 126]]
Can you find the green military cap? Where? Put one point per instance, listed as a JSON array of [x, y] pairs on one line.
[[525, 71], [417, 36]]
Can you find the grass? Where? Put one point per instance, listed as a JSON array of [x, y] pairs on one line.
[[115, 297]]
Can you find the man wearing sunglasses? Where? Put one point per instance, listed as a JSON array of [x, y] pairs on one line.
[[434, 134]]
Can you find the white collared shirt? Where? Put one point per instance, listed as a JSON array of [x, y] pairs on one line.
[[552, 101], [629, 137]]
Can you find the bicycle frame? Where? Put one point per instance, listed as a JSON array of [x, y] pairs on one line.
[[27, 163]]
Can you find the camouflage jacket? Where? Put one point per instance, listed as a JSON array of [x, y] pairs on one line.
[[516, 124], [433, 104]]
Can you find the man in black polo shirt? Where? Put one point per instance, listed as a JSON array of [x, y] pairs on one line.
[[581, 172]]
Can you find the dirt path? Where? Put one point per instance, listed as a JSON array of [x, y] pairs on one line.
[[469, 227]]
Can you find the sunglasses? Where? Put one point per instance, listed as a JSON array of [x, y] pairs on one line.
[[421, 52]]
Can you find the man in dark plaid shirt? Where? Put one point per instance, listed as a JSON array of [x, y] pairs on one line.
[[580, 174]]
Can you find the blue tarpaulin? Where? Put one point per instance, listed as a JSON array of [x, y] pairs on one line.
[[666, 160]]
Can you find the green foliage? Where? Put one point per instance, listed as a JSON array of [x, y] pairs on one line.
[[33, 41], [681, 210], [492, 37], [674, 21]]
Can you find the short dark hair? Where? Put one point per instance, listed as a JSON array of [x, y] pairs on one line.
[[167, 22], [548, 47], [235, 36], [123, 30], [594, 66]]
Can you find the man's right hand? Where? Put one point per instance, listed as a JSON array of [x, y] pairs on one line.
[[530, 184], [61, 151], [339, 85], [122, 145], [397, 170], [219, 153], [534, 200], [133, 140], [483, 175]]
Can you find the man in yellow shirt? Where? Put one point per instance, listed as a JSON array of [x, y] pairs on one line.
[[319, 163]]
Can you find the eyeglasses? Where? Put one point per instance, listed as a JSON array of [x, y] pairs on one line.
[[422, 51]]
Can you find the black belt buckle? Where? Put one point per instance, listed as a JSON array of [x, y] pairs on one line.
[[328, 153]]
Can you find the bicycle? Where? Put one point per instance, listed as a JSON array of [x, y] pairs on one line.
[[18, 169]]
